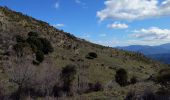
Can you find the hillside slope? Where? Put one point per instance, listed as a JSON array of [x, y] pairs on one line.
[[71, 50]]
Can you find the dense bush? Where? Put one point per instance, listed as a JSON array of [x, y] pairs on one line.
[[88, 57], [35, 43], [94, 87], [19, 38], [47, 47], [163, 76], [121, 77], [39, 56], [39, 46], [91, 55], [98, 86], [57, 91], [35, 34], [70, 35], [133, 80], [68, 75], [19, 47]]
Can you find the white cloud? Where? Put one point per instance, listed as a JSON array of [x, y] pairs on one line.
[[59, 25], [117, 25], [146, 36], [152, 33], [57, 5], [134, 10], [150, 36]]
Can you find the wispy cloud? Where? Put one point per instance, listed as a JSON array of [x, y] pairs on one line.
[[118, 25], [138, 9], [102, 35], [57, 5], [59, 25], [79, 2]]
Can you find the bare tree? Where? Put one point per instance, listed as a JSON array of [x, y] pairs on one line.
[[21, 72], [47, 77]]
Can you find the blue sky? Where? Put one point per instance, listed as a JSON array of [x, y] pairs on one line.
[[106, 22]]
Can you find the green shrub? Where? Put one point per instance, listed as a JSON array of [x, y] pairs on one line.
[[34, 34], [39, 56], [98, 86], [121, 77], [35, 43], [18, 48], [94, 87], [91, 55], [69, 72], [70, 35], [34, 48], [88, 57], [39, 46], [19, 38], [133, 80], [35, 62], [163, 76], [47, 47]]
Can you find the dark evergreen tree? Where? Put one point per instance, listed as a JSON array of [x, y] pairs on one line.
[[121, 77]]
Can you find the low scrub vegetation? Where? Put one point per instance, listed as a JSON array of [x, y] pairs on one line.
[[95, 87], [160, 94], [34, 82]]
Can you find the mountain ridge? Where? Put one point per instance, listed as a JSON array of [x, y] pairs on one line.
[[154, 52]]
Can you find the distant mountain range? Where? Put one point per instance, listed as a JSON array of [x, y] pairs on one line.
[[160, 52]]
